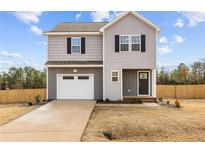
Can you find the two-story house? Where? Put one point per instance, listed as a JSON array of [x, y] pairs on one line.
[[101, 60]]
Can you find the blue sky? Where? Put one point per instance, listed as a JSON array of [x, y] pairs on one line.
[[182, 36]]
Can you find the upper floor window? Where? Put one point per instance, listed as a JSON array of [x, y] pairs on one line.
[[75, 44], [124, 43], [136, 43], [130, 42]]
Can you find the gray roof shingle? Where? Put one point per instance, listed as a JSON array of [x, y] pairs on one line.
[[78, 27]]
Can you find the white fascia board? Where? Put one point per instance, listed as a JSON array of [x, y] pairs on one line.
[[71, 66], [72, 33]]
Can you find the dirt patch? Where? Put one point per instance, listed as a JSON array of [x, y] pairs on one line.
[[10, 112], [148, 123]]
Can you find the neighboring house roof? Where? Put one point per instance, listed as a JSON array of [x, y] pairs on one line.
[[78, 27], [147, 22], [72, 63]]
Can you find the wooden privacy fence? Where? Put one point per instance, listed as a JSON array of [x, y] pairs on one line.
[[21, 95], [181, 91], [164, 91]]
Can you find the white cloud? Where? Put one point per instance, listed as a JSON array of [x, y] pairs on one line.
[[166, 66], [36, 30], [164, 49], [37, 66], [5, 65], [163, 40], [40, 43], [11, 54], [99, 16], [78, 16], [16, 60], [162, 64], [28, 17], [178, 39], [179, 23], [31, 64], [6, 62], [195, 17]]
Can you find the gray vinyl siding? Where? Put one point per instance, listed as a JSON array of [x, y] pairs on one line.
[[128, 25], [130, 82], [98, 81], [57, 49]]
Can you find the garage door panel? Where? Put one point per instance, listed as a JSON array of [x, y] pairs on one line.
[[80, 87]]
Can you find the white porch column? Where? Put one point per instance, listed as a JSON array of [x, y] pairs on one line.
[[47, 83], [154, 83], [121, 80]]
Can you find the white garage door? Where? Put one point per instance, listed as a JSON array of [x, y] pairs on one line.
[[75, 86]]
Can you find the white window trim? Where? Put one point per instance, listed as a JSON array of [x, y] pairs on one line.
[[129, 42], [124, 43], [118, 75], [75, 45], [135, 43]]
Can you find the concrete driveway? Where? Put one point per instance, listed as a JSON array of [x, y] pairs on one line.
[[62, 120]]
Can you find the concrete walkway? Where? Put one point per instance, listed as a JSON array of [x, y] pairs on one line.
[[132, 105], [62, 120]]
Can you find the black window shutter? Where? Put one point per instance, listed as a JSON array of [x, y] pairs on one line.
[[69, 45], [82, 45], [143, 43], [116, 43]]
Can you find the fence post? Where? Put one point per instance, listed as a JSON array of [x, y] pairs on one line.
[[175, 91]]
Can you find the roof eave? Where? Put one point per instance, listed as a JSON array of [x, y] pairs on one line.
[[72, 33]]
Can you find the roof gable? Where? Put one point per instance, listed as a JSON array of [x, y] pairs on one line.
[[151, 25]]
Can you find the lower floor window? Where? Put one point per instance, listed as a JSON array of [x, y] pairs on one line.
[[115, 76]]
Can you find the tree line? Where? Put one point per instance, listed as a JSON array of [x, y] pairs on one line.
[[22, 78], [30, 78], [183, 74]]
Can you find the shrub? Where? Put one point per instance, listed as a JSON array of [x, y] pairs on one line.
[[168, 102], [38, 99], [160, 99], [30, 103], [177, 103]]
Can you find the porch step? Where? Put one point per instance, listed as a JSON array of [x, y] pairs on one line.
[[148, 100], [132, 101], [139, 100]]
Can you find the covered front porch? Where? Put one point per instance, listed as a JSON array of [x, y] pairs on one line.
[[139, 85]]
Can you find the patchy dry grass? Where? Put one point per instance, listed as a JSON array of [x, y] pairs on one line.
[[149, 123], [11, 112]]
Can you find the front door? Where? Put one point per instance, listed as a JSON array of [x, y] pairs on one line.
[[143, 83]]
